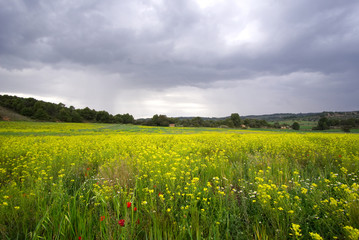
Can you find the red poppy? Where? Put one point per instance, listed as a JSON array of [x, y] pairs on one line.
[[129, 204], [122, 222], [134, 209], [102, 218], [138, 221], [340, 155], [88, 169], [80, 238]]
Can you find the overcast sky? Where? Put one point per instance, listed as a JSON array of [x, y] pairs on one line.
[[183, 58]]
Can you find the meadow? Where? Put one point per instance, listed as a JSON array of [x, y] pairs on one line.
[[103, 181]]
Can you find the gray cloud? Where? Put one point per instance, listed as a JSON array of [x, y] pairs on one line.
[[108, 49]]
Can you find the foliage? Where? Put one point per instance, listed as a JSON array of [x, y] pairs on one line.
[[87, 181], [236, 119], [296, 126], [46, 111], [322, 124], [325, 123], [159, 120]]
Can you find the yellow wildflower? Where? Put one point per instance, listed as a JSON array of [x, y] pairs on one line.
[[315, 236], [296, 230]]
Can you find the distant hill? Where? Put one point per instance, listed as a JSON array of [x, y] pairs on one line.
[[290, 116], [9, 115], [304, 116]]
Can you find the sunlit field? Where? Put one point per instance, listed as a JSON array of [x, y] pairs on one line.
[[101, 181]]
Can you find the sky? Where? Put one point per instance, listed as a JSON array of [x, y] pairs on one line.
[[207, 58]]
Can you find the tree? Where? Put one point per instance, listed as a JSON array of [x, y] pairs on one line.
[[41, 114], [197, 122], [163, 121], [263, 123], [276, 125], [88, 114], [103, 116], [296, 126], [228, 122], [39, 105], [27, 111], [236, 119], [322, 124], [64, 115], [75, 116], [160, 120], [127, 118], [118, 118], [19, 106]]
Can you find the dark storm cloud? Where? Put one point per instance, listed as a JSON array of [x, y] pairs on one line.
[[163, 45], [172, 38]]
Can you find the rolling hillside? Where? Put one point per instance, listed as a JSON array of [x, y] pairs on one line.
[[9, 115]]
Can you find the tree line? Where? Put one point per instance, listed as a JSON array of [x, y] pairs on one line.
[[234, 121], [46, 111], [325, 123]]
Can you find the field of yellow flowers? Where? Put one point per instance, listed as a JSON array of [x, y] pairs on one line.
[[93, 181]]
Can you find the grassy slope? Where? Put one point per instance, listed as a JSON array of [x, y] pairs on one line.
[[11, 115]]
